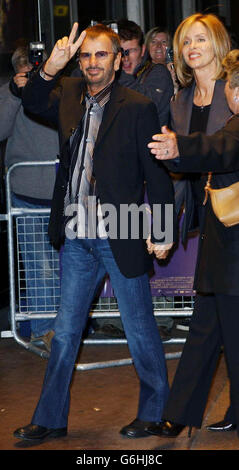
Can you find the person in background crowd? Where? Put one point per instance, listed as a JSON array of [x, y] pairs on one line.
[[158, 43], [103, 154], [200, 44], [218, 323], [31, 139], [138, 71]]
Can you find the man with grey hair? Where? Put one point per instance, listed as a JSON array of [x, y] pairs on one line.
[[30, 139], [20, 59]]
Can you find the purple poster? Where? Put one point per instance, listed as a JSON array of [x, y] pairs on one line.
[[175, 277]]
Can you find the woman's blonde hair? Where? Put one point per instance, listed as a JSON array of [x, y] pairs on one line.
[[152, 33], [231, 67], [220, 41]]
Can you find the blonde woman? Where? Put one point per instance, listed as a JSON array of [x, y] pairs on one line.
[[158, 42], [219, 154], [200, 43]]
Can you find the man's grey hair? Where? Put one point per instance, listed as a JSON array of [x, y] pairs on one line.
[[20, 58]]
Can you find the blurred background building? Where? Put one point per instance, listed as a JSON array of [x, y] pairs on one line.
[[47, 20]]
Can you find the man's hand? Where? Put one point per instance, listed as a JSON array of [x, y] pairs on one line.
[[165, 146], [63, 51], [161, 251], [20, 79]]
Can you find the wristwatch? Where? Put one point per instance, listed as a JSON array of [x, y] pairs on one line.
[[44, 74]]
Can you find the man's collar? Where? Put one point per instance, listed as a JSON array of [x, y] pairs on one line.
[[102, 97]]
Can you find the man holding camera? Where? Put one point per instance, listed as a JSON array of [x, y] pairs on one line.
[[30, 139]]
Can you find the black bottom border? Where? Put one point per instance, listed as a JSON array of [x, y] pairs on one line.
[[118, 458]]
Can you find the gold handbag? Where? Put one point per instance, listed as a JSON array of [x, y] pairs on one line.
[[225, 202]]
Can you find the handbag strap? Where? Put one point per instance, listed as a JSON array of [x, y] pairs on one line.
[[207, 187]]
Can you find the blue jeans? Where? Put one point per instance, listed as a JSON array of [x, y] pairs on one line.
[[41, 267], [84, 264]]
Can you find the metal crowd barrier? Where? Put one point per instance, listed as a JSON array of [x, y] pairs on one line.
[[103, 308]]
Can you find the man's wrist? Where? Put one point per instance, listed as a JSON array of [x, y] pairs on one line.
[[45, 76], [48, 72]]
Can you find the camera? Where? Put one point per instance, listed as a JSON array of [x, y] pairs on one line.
[[35, 56], [36, 51], [169, 55]]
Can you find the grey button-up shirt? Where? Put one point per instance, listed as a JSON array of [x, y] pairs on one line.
[[82, 183]]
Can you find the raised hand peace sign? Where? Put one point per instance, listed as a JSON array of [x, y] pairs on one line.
[[63, 51]]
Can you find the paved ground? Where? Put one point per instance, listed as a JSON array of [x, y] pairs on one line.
[[103, 400]]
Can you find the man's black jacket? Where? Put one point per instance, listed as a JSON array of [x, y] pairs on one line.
[[122, 162]]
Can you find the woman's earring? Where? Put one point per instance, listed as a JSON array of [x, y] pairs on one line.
[[236, 99]]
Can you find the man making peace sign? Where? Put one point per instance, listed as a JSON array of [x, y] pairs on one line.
[[104, 130]]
